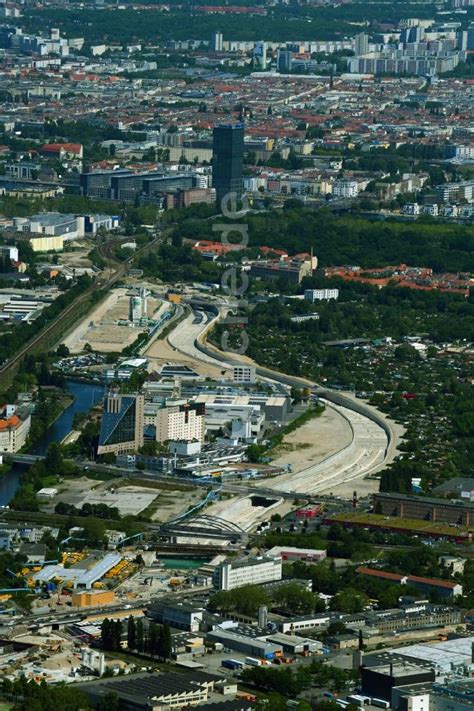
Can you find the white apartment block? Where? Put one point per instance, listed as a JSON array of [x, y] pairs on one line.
[[430, 210], [456, 191], [345, 188], [247, 571], [243, 374], [320, 294], [179, 422], [411, 208], [13, 432], [8, 251]]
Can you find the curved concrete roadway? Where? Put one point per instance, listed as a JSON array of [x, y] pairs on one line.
[[364, 455], [375, 437]]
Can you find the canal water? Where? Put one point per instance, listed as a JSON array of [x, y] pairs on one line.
[[85, 396]]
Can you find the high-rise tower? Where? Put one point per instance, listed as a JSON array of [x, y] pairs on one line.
[[227, 160]]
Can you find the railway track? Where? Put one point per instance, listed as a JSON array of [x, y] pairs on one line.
[[100, 284]]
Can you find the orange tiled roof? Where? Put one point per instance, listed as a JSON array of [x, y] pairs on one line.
[[12, 421], [57, 147]]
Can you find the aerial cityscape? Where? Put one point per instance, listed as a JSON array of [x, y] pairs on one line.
[[236, 355]]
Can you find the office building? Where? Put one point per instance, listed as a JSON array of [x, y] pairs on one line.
[[470, 38], [184, 422], [180, 615], [454, 192], [23, 170], [412, 35], [216, 41], [121, 427], [462, 41], [180, 197], [284, 61], [345, 189], [125, 186], [94, 223], [14, 428], [8, 252], [243, 374], [320, 294], [292, 270], [234, 573], [424, 508], [227, 160], [260, 56], [361, 44]]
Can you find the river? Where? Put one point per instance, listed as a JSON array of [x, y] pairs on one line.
[[85, 396]]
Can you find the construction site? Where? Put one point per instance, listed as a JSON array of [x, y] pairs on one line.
[[117, 321]]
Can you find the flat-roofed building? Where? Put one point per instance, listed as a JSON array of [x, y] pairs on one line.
[[309, 555], [243, 374], [122, 424], [378, 680], [443, 588], [81, 577], [293, 271], [292, 644], [51, 224], [313, 622], [452, 695], [321, 294], [275, 407], [247, 644], [236, 572], [181, 615], [152, 692], [185, 422], [424, 508], [14, 428]]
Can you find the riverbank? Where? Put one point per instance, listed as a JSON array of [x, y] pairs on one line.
[[82, 396], [56, 409], [4, 469]]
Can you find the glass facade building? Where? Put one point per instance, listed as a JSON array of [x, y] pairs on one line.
[[227, 160], [121, 428]]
